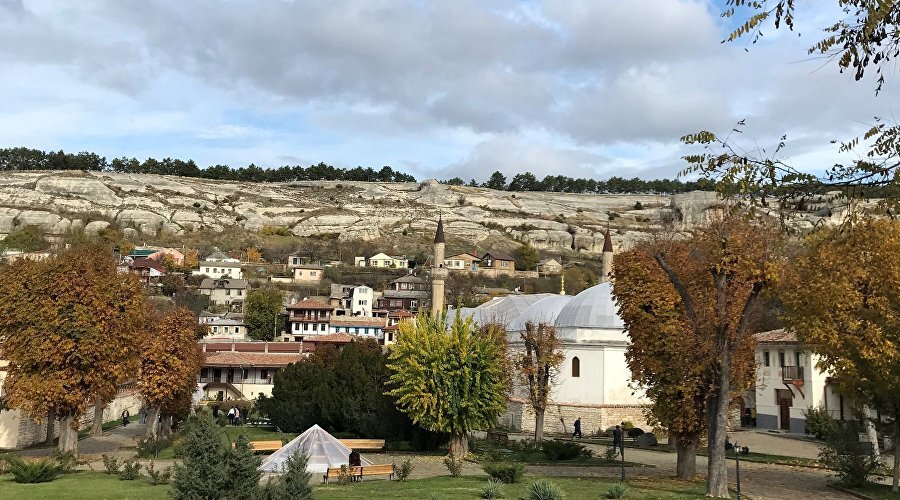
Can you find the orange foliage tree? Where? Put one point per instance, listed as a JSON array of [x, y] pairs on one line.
[[688, 304], [69, 326], [537, 363], [170, 361], [842, 296]]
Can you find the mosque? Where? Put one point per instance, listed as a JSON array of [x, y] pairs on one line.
[[594, 380]]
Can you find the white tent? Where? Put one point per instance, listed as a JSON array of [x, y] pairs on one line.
[[322, 449]]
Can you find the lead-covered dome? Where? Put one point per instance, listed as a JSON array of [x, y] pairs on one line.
[[592, 308], [543, 311]]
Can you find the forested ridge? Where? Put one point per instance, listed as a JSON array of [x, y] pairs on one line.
[[26, 159]]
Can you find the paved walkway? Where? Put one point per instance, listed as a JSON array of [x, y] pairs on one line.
[[118, 441]]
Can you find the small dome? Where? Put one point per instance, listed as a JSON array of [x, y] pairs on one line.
[[543, 311], [592, 308]]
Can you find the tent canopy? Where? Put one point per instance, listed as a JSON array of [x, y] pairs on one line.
[[322, 449]]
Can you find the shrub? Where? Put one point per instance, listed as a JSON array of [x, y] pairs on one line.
[[616, 491], [292, 483], [66, 460], [147, 448], [842, 452], [818, 422], [454, 465], [611, 453], [637, 206], [635, 432], [38, 471], [344, 477], [158, 476], [402, 473], [627, 425], [111, 464], [506, 472], [543, 490], [131, 470], [562, 450], [493, 489]]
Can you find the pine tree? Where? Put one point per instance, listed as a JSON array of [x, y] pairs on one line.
[[241, 470], [292, 484], [201, 473]]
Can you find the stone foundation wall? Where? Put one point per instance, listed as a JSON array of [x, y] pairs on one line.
[[560, 417]]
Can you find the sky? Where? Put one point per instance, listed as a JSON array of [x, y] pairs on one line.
[[585, 88]]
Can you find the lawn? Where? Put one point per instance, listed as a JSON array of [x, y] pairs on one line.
[[877, 491], [257, 433], [98, 485]]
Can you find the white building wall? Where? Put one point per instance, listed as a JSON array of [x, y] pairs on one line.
[[362, 300], [219, 272]]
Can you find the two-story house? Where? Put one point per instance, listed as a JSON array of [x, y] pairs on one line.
[[788, 383], [225, 329], [462, 262], [498, 263], [308, 317], [409, 293], [227, 292], [219, 269], [382, 260], [146, 269], [308, 273], [361, 326]]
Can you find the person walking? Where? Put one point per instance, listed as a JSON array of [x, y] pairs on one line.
[[125, 416], [618, 442], [237, 416], [231, 416], [577, 428]]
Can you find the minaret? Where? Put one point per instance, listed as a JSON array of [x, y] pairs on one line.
[[438, 272], [607, 266]]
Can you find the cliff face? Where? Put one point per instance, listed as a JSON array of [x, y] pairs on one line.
[[58, 202]]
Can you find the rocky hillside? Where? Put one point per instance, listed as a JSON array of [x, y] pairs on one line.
[[59, 202]]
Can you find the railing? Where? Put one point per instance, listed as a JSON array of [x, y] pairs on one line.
[[237, 380], [789, 373]]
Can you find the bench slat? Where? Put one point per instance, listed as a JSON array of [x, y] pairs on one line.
[[361, 471]]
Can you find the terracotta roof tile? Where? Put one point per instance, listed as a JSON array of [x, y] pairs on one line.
[[228, 358], [780, 336], [309, 304]]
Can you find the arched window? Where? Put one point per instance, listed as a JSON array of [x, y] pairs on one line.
[[576, 367]]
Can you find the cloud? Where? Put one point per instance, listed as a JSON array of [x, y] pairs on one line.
[[577, 87]]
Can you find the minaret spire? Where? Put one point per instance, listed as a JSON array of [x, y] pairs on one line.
[[607, 265], [438, 271]]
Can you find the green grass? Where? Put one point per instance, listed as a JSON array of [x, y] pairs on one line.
[[257, 433], [102, 486], [878, 491]]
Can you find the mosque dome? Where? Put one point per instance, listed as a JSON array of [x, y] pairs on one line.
[[592, 308], [543, 311]]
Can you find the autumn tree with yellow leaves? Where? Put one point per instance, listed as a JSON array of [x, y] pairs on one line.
[[170, 361], [69, 327], [536, 362], [689, 303], [842, 296]]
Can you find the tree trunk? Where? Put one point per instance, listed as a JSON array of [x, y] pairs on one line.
[[459, 444], [97, 428], [68, 436], [165, 426], [538, 425], [717, 471], [686, 465], [152, 417], [895, 484], [51, 428], [871, 433]]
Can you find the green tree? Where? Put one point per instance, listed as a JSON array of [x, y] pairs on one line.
[[452, 380], [456, 181], [25, 239], [496, 181], [201, 473], [527, 258], [848, 309], [263, 313], [292, 483], [241, 470]]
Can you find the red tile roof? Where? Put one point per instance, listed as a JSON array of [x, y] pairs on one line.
[[336, 338], [780, 336], [358, 321], [228, 358], [310, 304]]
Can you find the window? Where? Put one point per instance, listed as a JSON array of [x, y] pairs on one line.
[[576, 367], [226, 329], [780, 358], [413, 304], [766, 360], [263, 373], [315, 327], [215, 329], [798, 357]]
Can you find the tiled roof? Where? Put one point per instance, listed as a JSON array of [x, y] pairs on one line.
[[401, 313], [309, 266], [409, 278], [309, 304], [215, 263], [334, 338], [144, 262], [228, 358], [780, 336], [406, 294], [498, 255]]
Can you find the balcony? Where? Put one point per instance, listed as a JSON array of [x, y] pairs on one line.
[[792, 374]]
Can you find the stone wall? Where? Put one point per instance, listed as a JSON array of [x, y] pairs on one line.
[[20, 431], [559, 417]]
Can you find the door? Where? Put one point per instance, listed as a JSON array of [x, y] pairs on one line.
[[785, 399]]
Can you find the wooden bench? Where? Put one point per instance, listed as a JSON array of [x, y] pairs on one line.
[[363, 444], [265, 445], [359, 471]]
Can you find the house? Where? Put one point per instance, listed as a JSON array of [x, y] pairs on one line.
[[158, 254], [393, 324], [382, 260], [295, 259], [146, 269], [788, 382], [409, 293], [309, 317], [462, 262], [243, 370], [339, 298], [362, 300], [219, 269], [549, 266], [224, 292], [220, 256], [361, 326], [225, 329], [308, 273], [498, 264]]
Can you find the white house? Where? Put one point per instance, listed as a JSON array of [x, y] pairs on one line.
[[382, 260], [227, 292], [360, 326], [362, 300], [225, 329], [219, 269], [788, 383]]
